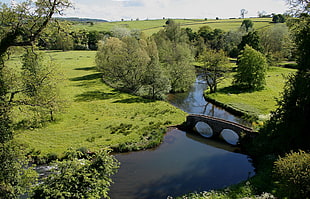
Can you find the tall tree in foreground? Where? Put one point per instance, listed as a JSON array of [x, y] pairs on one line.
[[288, 127], [21, 25], [251, 70]]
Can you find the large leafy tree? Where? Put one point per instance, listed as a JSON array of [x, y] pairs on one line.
[[214, 67], [20, 25], [176, 56], [123, 62], [288, 127], [251, 70]]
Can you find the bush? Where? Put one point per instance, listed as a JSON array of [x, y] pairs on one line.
[[292, 173]]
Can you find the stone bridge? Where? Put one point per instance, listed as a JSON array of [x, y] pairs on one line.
[[210, 127]]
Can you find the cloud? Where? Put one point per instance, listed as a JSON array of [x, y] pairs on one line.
[[155, 9]]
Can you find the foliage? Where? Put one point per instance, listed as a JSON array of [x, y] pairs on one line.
[[292, 174], [251, 70], [16, 177], [278, 18], [277, 43], [21, 25], [287, 128], [133, 65], [37, 97], [79, 178], [123, 62], [251, 39], [176, 56], [247, 24], [214, 68]]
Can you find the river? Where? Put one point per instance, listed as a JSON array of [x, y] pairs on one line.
[[184, 162]]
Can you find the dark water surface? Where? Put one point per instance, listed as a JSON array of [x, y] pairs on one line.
[[184, 162]]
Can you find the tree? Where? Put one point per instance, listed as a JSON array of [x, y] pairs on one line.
[[79, 178], [252, 39], [276, 42], [251, 70], [123, 62], [21, 25], [278, 18], [214, 68], [243, 13], [176, 56], [247, 24], [288, 128]]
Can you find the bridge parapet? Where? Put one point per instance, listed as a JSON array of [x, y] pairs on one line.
[[209, 127]]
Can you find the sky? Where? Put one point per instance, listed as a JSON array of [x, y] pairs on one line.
[[115, 10]]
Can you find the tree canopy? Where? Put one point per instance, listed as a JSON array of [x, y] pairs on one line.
[[251, 70]]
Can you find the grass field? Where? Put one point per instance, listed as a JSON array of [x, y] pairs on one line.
[[151, 26], [96, 115], [258, 103]]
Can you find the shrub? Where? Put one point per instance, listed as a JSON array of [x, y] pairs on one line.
[[292, 173]]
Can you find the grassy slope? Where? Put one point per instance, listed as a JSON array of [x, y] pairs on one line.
[[259, 103], [151, 26], [95, 111]]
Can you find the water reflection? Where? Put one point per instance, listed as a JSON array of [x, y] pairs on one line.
[[193, 102], [182, 164]]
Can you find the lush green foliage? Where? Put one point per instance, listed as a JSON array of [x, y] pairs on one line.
[[79, 178], [288, 127], [176, 56], [133, 65], [247, 24], [277, 43], [251, 70], [15, 177], [292, 174], [21, 25], [215, 65], [251, 39]]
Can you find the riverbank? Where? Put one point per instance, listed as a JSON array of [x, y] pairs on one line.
[[254, 106], [96, 115]]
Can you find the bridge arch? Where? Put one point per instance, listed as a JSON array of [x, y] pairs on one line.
[[209, 127]]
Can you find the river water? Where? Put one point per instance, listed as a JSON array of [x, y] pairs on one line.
[[184, 162]]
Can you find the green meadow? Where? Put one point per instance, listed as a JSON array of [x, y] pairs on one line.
[[97, 116], [256, 103], [152, 26]]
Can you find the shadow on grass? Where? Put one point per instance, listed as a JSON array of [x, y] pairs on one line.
[[86, 68], [234, 90], [87, 77], [94, 95], [134, 100]]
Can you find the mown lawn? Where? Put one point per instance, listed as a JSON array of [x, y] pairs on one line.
[[96, 115], [257, 103]]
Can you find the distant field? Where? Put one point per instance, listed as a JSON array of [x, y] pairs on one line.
[[151, 26], [97, 115]]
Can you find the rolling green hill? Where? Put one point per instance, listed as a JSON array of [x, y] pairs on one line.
[[151, 26]]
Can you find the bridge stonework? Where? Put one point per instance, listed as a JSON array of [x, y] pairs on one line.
[[218, 125]]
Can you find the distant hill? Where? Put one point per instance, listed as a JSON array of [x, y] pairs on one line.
[[85, 20]]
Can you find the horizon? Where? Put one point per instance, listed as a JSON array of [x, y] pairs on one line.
[[116, 10]]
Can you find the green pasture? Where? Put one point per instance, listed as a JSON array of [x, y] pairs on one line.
[[96, 115], [152, 26], [257, 103]]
